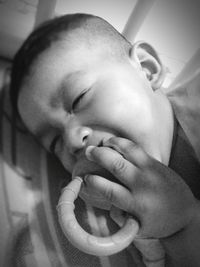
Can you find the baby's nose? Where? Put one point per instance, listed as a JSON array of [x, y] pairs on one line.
[[76, 139]]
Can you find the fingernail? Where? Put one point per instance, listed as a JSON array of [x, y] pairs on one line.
[[78, 178], [88, 152]]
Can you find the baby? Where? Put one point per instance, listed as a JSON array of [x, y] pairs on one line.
[[94, 100]]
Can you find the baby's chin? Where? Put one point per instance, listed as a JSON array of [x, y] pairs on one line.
[[91, 197]]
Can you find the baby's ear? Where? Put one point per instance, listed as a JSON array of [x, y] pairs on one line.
[[149, 62]]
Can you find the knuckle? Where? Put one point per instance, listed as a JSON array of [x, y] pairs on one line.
[[118, 166], [109, 194]]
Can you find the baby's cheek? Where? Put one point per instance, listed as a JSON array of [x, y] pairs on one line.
[[128, 119], [108, 111], [68, 161]]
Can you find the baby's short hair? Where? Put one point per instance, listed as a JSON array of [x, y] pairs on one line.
[[91, 29]]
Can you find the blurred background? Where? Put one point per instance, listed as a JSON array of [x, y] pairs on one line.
[[172, 26], [30, 178]]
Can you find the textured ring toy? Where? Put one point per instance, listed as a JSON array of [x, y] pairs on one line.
[[99, 246]]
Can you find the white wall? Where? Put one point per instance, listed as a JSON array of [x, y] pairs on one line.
[[172, 27]]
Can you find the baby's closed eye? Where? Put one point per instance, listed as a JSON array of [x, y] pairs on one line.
[[78, 99]]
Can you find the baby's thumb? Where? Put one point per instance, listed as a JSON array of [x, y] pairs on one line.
[[117, 215]]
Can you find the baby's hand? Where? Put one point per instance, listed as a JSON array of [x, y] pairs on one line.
[[154, 194]]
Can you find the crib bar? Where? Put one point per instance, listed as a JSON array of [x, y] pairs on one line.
[[45, 11], [137, 17]]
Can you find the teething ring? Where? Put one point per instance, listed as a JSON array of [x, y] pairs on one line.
[[99, 246]]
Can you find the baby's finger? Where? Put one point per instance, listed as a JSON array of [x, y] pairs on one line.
[[117, 215], [116, 194], [130, 151], [112, 161]]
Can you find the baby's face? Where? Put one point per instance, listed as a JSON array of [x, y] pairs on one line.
[[79, 98]]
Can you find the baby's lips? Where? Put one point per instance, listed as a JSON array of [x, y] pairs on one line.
[[83, 167], [100, 246]]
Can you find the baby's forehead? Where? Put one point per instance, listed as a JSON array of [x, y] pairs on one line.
[[68, 44], [71, 57], [70, 53]]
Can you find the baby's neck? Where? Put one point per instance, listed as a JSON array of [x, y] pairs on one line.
[[165, 130]]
